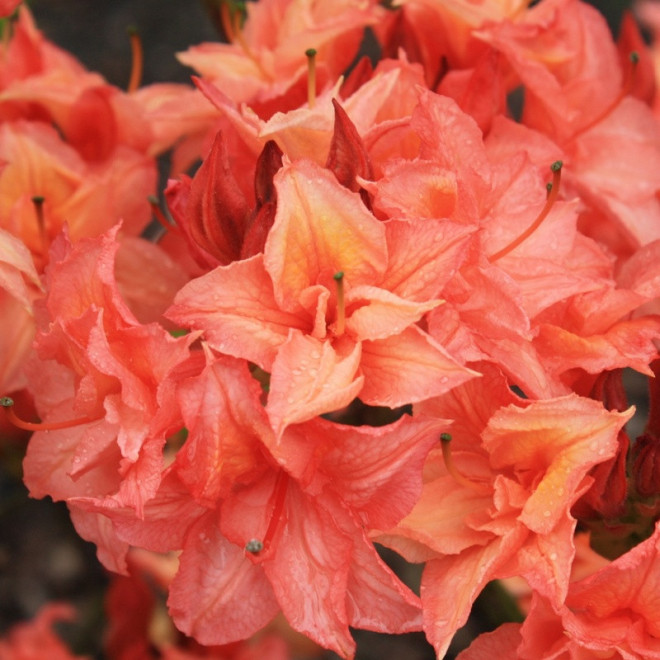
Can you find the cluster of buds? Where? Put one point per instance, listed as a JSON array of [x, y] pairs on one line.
[[392, 306]]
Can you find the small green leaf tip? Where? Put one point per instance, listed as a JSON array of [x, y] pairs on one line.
[[6, 402], [310, 52], [634, 57], [339, 276], [445, 437], [557, 165]]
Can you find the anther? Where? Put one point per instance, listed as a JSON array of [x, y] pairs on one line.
[[137, 60], [8, 404], [254, 546], [340, 321], [626, 88], [553, 192], [311, 76], [445, 439]]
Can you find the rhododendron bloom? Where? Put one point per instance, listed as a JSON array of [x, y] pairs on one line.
[[522, 465], [283, 311], [612, 613], [272, 523]]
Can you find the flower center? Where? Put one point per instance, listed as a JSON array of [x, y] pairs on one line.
[[340, 322], [445, 439]]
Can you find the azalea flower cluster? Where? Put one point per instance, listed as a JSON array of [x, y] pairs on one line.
[[392, 305]]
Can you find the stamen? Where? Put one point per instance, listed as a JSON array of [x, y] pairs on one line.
[[38, 202], [160, 216], [311, 76], [445, 439], [226, 20], [137, 62], [340, 322], [553, 192], [255, 546], [626, 88], [7, 403]]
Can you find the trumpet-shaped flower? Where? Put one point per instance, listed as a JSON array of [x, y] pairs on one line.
[[500, 506], [324, 308]]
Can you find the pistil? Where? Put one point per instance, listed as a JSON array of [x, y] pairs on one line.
[[256, 546], [445, 439], [311, 76], [137, 61], [38, 202], [8, 404], [553, 192], [340, 322]]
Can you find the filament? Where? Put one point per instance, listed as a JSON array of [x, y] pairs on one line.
[[626, 88], [553, 191], [137, 61], [340, 323], [445, 439], [8, 404], [311, 76]]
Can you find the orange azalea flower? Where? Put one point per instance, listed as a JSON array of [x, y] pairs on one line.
[[324, 308], [108, 374], [500, 505], [613, 614], [19, 287], [265, 66], [268, 523]]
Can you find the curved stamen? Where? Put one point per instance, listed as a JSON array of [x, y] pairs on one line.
[[445, 439], [626, 88], [311, 76], [553, 192], [256, 546], [8, 404], [340, 323], [38, 202], [160, 216], [137, 61]]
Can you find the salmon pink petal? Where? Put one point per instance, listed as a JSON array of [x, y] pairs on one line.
[[320, 228], [235, 307], [311, 565], [365, 465], [218, 595], [458, 579], [225, 419], [554, 443], [423, 256], [501, 643], [311, 377], [381, 314], [96, 528], [407, 367]]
